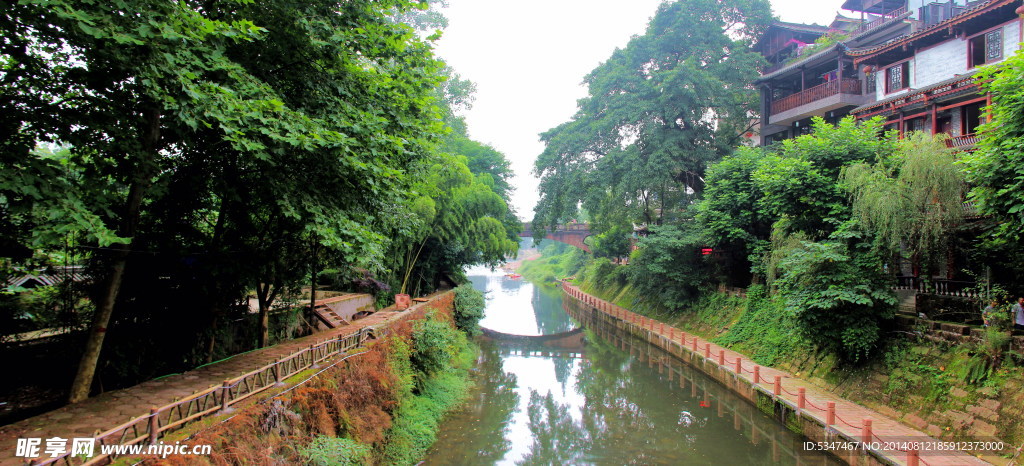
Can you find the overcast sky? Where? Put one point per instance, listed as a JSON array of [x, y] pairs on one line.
[[529, 57]]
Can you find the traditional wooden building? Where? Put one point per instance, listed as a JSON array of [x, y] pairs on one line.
[[909, 61]]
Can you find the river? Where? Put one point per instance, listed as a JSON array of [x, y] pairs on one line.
[[596, 397]]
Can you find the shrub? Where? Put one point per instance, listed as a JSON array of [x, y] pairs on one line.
[[333, 451], [469, 309]]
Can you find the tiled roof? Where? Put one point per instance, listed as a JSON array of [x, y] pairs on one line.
[[909, 96], [796, 64]]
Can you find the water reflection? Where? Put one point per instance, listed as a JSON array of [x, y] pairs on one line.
[[623, 402]]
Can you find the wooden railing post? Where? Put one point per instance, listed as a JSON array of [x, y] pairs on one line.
[[154, 425], [801, 397], [777, 390], [277, 373], [866, 431], [757, 374], [739, 365], [225, 395], [830, 415]]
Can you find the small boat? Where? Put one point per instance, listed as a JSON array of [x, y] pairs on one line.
[[513, 275]]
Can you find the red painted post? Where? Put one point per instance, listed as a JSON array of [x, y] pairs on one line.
[[739, 365], [830, 417], [757, 374], [721, 357], [707, 351], [695, 339], [671, 333], [801, 398], [682, 338], [662, 328], [778, 385], [912, 457], [866, 431]]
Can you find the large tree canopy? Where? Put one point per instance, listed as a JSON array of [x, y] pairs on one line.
[[214, 148], [658, 111]]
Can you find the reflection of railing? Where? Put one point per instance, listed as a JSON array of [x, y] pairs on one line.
[[765, 380], [962, 142], [887, 17], [746, 418], [816, 93]]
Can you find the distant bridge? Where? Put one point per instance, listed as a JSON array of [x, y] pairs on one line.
[[572, 234]]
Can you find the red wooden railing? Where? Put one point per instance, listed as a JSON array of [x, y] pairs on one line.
[[880, 21], [961, 142], [816, 93]]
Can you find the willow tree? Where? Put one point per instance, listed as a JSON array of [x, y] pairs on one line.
[[912, 200], [658, 112]]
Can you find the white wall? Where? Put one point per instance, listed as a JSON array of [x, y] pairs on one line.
[[945, 61], [940, 62]]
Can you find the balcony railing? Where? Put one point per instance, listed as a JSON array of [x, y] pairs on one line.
[[966, 141], [938, 286], [880, 21], [816, 93]]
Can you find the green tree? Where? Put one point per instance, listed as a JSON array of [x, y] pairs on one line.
[[995, 169], [156, 98], [658, 111], [911, 201]]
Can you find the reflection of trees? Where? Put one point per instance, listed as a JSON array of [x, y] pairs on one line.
[[557, 438], [478, 433], [494, 407], [547, 309], [563, 371]]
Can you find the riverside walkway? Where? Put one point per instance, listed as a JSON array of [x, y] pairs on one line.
[[128, 415], [844, 420]]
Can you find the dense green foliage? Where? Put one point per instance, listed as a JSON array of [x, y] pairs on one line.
[[469, 309], [912, 200], [557, 261], [195, 153], [765, 331], [637, 148], [433, 374], [335, 451], [669, 265], [996, 168]]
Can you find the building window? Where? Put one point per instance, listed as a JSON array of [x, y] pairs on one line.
[[985, 48], [897, 77], [972, 117], [869, 82], [914, 124]]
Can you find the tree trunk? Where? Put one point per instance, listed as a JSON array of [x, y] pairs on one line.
[[266, 293], [105, 307]]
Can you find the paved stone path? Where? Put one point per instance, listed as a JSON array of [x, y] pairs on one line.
[[849, 415], [110, 409]]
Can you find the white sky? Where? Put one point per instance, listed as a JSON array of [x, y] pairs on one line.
[[529, 57]]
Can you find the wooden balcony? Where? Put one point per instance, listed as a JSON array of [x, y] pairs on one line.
[[965, 142], [882, 21], [816, 93]]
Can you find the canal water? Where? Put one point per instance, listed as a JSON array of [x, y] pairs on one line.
[[596, 397]]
